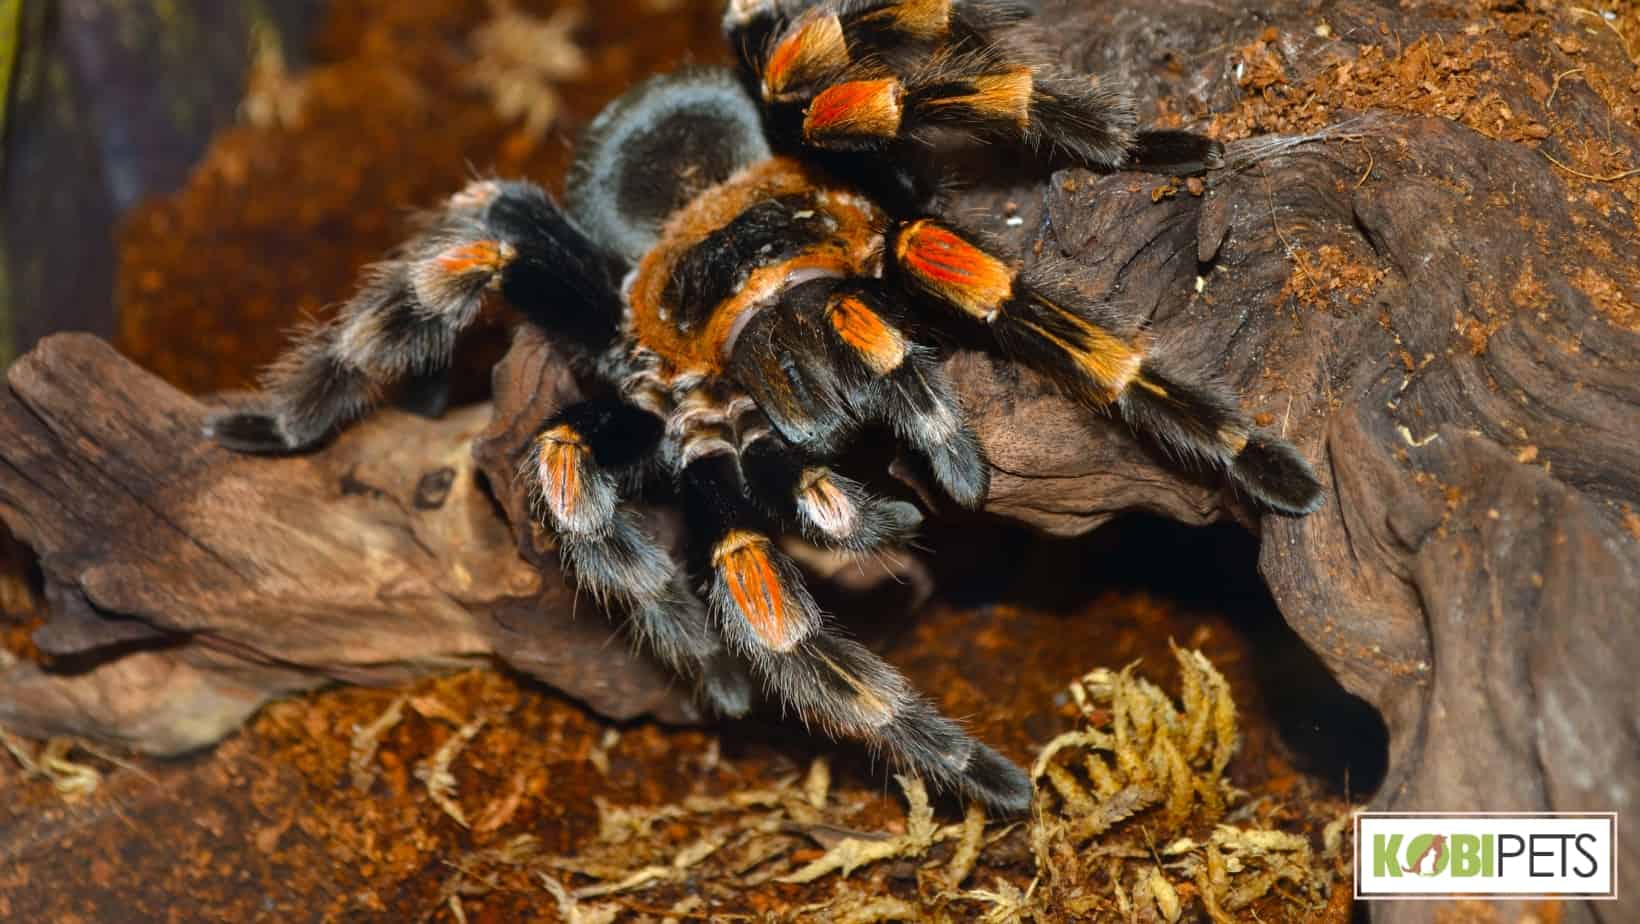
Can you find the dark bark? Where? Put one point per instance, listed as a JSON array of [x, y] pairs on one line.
[[1418, 307], [189, 585]]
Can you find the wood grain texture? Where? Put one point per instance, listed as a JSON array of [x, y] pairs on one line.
[[189, 584]]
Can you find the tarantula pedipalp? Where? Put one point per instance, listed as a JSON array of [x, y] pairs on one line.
[[746, 269]]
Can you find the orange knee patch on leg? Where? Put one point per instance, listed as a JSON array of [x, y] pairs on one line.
[[450, 281], [1004, 97], [858, 109], [826, 505], [745, 561], [950, 267], [811, 50], [562, 456], [921, 19], [478, 256], [879, 345]]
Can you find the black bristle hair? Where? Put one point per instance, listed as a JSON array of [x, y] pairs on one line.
[[1175, 153], [1194, 420], [1091, 121], [620, 434], [1186, 417], [560, 279], [1272, 473]]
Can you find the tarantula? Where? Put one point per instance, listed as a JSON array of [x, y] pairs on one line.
[[746, 268]]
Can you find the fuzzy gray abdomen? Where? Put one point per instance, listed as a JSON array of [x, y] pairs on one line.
[[654, 149]]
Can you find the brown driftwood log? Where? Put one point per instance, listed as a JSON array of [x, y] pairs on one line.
[[1443, 319], [192, 584], [188, 585]]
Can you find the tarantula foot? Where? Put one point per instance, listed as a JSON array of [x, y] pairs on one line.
[[250, 431], [997, 782], [426, 396], [1175, 153], [838, 511], [1275, 475], [961, 470], [951, 759], [725, 686]]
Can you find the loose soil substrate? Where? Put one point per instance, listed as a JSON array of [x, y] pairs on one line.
[[302, 818], [270, 824]]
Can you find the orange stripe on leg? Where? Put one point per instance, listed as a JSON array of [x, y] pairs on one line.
[[879, 345], [478, 256], [562, 454], [743, 559], [922, 19], [812, 49], [1004, 97], [1109, 362], [950, 267], [858, 109]]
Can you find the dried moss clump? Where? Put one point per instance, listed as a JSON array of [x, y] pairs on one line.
[[745, 849], [1136, 821]]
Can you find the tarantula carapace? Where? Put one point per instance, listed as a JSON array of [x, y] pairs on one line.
[[746, 267]]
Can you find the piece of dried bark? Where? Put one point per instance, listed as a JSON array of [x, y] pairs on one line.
[[189, 585]]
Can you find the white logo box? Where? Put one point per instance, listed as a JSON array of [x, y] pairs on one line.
[[1487, 854]]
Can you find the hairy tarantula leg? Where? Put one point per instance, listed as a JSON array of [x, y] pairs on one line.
[[755, 590], [406, 315], [1047, 330], [862, 75], [403, 321], [1093, 123], [850, 692], [793, 51], [913, 396], [828, 509], [767, 615], [917, 400], [572, 466], [831, 357], [867, 73]]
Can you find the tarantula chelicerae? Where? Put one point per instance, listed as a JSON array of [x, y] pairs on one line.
[[742, 268]]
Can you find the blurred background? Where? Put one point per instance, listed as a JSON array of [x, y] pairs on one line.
[[160, 159], [105, 105]]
